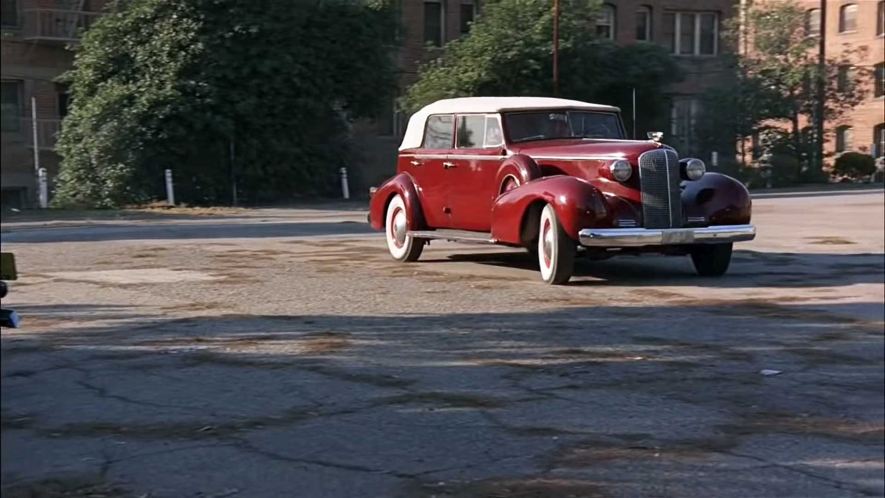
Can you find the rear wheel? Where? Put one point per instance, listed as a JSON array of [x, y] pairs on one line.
[[402, 246], [510, 182], [556, 250], [711, 260]]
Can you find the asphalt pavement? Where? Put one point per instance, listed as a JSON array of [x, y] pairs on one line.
[[282, 353]]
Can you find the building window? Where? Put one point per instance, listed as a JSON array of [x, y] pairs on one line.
[[692, 33], [880, 18], [11, 106], [844, 138], [434, 23], [64, 100], [812, 22], [845, 78], [848, 18], [468, 13], [879, 140], [643, 23], [605, 22], [388, 124], [439, 132], [9, 15], [879, 79], [683, 117]]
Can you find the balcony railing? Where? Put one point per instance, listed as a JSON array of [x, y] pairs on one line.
[[56, 24], [47, 132]]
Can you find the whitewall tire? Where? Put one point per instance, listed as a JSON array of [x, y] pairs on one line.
[[401, 245], [556, 250]]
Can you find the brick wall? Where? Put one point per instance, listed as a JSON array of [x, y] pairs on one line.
[[34, 63], [871, 112], [700, 72]]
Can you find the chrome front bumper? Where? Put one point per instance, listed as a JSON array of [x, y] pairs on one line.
[[635, 237]]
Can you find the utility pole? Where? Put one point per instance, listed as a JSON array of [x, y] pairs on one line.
[[40, 173], [233, 174], [821, 89], [556, 48]]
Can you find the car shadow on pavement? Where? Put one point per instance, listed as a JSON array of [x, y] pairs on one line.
[[575, 399], [748, 269]]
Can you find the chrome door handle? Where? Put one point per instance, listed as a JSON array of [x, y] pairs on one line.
[[415, 162], [448, 165]]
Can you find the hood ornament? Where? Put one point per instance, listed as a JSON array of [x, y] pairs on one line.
[[656, 136]]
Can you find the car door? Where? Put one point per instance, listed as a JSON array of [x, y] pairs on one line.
[[472, 168], [425, 164]]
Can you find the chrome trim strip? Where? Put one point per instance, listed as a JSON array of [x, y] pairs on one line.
[[454, 236], [669, 195], [579, 158], [469, 157], [636, 237], [498, 158]]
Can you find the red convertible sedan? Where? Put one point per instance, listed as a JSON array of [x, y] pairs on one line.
[[557, 177]]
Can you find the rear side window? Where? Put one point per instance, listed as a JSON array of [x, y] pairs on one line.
[[471, 130], [439, 132]]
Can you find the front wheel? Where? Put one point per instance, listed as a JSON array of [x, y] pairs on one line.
[[402, 246], [556, 250], [711, 260]]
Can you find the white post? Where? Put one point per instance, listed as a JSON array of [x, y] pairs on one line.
[[345, 190], [42, 188], [714, 158], [40, 199], [634, 114], [170, 193]]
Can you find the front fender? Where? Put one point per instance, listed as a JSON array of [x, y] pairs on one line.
[[720, 199], [578, 205], [401, 184]]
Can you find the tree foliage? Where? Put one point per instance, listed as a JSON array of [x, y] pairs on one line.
[[187, 84], [508, 51], [776, 83]]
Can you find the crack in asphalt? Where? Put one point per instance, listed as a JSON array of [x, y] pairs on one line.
[[792, 468]]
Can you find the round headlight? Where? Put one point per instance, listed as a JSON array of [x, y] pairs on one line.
[[694, 169], [621, 170]]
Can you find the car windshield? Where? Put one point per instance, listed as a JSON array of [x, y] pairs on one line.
[[547, 125]]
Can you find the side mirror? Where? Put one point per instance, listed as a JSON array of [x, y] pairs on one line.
[[656, 136]]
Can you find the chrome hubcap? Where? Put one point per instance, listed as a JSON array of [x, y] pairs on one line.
[[399, 228], [548, 243]]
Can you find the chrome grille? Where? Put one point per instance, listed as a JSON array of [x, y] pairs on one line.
[[659, 180]]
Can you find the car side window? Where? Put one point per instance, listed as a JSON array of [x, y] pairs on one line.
[[471, 130], [494, 136], [439, 131]]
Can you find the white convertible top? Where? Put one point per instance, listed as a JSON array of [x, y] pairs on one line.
[[415, 130]]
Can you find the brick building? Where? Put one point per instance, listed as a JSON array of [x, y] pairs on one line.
[[688, 28], [854, 24], [35, 33], [34, 36]]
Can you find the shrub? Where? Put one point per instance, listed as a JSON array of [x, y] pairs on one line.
[[185, 85], [854, 165]]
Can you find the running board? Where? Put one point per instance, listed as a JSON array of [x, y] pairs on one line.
[[455, 236]]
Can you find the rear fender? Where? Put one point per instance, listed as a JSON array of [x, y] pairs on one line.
[[578, 205], [521, 167], [401, 184], [720, 199]]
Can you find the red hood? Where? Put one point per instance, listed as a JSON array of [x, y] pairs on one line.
[[589, 148]]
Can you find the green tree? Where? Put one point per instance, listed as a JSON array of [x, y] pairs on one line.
[[508, 52], [186, 84], [775, 84]]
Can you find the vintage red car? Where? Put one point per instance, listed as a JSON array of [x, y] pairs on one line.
[[557, 177]]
